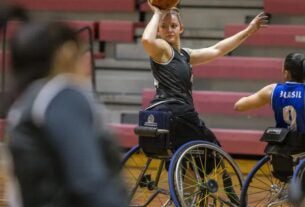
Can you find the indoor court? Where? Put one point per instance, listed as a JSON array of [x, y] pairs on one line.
[[121, 79]]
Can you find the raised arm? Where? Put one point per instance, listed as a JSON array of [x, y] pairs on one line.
[[158, 49], [204, 55], [256, 100]]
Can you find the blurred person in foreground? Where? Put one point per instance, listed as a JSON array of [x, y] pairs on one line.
[[62, 152]]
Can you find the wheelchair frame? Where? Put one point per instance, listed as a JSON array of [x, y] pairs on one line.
[[264, 188], [147, 186]]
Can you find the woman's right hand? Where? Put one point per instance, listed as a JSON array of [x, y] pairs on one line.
[[154, 8]]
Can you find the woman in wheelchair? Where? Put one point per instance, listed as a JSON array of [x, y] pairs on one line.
[[288, 138], [172, 108], [172, 66]]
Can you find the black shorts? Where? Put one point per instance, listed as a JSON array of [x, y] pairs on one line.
[[186, 125]]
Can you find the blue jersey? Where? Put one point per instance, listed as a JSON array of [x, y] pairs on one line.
[[288, 106]]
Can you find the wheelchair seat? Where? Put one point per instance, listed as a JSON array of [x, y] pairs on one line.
[[159, 171], [266, 183], [153, 143], [176, 132], [282, 145]]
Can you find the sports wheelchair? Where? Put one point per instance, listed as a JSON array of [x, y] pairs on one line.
[[267, 184], [158, 172]]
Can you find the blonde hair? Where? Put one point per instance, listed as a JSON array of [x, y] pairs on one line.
[[173, 11]]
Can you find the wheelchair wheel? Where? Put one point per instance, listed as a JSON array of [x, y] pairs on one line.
[[202, 174], [297, 186], [145, 179], [261, 188]]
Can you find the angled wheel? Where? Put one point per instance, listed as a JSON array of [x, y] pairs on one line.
[[202, 174], [297, 186], [261, 188], [145, 179]]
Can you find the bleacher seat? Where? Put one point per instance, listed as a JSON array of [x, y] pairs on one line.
[[80, 25], [2, 126], [231, 140], [80, 5], [274, 35], [116, 31], [7, 59], [243, 68], [286, 7], [212, 4], [12, 27], [215, 103]]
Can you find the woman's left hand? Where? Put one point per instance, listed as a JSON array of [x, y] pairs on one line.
[[260, 21]]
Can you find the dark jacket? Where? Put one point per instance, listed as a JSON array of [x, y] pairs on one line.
[[62, 153]]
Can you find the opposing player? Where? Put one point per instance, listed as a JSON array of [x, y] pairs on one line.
[[286, 99]]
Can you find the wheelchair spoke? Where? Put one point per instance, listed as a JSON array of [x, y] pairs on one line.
[[201, 164], [210, 179], [263, 188], [146, 180], [222, 201]]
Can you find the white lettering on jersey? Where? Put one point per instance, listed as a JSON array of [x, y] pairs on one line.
[[290, 94]]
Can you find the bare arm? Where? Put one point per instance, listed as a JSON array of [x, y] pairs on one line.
[[204, 55], [256, 100], [157, 49]]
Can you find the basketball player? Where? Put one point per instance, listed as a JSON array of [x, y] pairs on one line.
[[286, 99], [171, 66]]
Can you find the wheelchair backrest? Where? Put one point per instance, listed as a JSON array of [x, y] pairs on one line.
[[275, 135], [282, 145], [158, 145], [283, 141], [163, 145]]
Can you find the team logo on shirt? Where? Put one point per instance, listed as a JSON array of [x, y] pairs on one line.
[[150, 121], [151, 118]]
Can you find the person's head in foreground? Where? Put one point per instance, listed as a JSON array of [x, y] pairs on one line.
[[44, 50]]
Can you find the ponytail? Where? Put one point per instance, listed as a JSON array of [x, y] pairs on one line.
[[295, 64], [303, 68]]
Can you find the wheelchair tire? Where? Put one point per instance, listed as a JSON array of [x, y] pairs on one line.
[[202, 174], [261, 188], [297, 188], [145, 179]]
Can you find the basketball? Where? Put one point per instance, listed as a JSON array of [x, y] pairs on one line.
[[164, 4]]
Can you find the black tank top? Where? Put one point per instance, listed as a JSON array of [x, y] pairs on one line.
[[173, 80]]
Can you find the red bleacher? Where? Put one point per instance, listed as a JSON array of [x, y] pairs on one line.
[[11, 28], [215, 103], [287, 7], [116, 31], [76, 24], [7, 59], [275, 35], [80, 25], [2, 126], [144, 7], [80, 5], [242, 68], [231, 140]]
